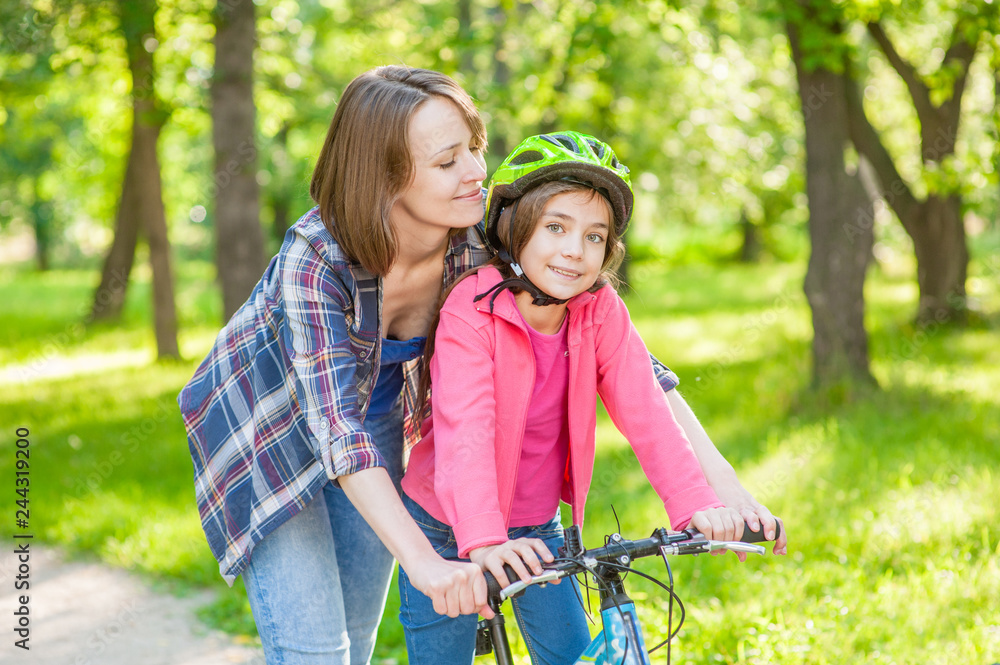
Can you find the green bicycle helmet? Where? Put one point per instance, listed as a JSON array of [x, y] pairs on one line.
[[564, 155]]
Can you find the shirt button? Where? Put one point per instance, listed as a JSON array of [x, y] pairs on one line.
[[324, 424], [413, 355], [364, 354]]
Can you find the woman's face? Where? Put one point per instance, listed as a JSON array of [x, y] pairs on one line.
[[565, 253], [449, 168]]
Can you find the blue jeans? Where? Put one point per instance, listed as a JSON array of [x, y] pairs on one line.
[[551, 619], [317, 584]]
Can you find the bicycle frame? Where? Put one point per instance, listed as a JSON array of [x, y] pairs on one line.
[[620, 642]]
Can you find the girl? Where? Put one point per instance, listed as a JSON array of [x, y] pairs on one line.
[[524, 345]]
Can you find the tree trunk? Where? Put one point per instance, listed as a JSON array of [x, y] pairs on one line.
[[141, 205], [841, 229], [281, 184], [138, 25], [41, 215], [110, 295], [466, 40], [501, 74], [942, 260], [934, 224], [164, 305], [240, 256], [750, 247]]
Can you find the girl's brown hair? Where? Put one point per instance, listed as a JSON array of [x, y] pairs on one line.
[[365, 164], [529, 210]]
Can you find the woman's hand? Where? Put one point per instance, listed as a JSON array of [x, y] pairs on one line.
[[732, 493], [455, 587], [521, 554]]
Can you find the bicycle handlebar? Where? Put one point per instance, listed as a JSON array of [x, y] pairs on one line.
[[621, 552]]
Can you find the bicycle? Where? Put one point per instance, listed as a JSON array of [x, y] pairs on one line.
[[620, 641]]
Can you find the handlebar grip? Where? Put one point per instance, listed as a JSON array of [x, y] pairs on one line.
[[758, 536], [493, 585]]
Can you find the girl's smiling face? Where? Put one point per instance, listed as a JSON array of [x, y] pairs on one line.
[[566, 251]]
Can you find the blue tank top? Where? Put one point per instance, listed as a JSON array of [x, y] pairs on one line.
[[390, 377]]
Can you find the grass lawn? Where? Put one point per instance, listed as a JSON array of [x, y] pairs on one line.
[[891, 497]]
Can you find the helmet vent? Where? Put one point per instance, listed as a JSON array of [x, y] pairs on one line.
[[562, 141], [568, 143], [527, 157], [597, 148]]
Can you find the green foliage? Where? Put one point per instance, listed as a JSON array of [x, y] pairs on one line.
[[890, 499], [707, 111]]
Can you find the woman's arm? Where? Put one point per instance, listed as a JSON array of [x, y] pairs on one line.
[[721, 475], [454, 587]]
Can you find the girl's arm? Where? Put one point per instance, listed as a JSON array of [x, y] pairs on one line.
[[467, 481], [721, 475], [624, 365], [454, 587]]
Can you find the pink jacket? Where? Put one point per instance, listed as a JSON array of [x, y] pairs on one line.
[[463, 471]]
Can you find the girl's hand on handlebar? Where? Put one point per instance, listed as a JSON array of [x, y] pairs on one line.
[[719, 523], [754, 513], [454, 587], [521, 554]]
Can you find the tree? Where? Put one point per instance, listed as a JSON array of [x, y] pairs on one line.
[[840, 211], [28, 124], [934, 222], [239, 248], [141, 205]]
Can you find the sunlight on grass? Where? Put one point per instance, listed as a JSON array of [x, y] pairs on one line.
[[79, 365]]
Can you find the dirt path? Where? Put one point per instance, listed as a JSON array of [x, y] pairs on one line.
[[90, 614]]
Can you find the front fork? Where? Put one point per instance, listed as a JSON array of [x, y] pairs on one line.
[[621, 641]]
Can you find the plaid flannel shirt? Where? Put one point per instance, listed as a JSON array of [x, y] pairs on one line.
[[276, 409]]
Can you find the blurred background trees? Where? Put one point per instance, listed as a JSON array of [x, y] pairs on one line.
[[831, 134]]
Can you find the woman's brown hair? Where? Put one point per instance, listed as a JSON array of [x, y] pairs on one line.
[[365, 164], [529, 210]]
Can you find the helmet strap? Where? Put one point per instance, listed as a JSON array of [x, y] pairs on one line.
[[538, 297], [520, 280]]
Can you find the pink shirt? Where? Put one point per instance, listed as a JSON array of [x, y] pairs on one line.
[[545, 446]]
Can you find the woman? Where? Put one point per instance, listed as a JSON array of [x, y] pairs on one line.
[[297, 417]]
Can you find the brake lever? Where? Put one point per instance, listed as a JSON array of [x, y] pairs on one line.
[[700, 544], [517, 587], [735, 546]]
